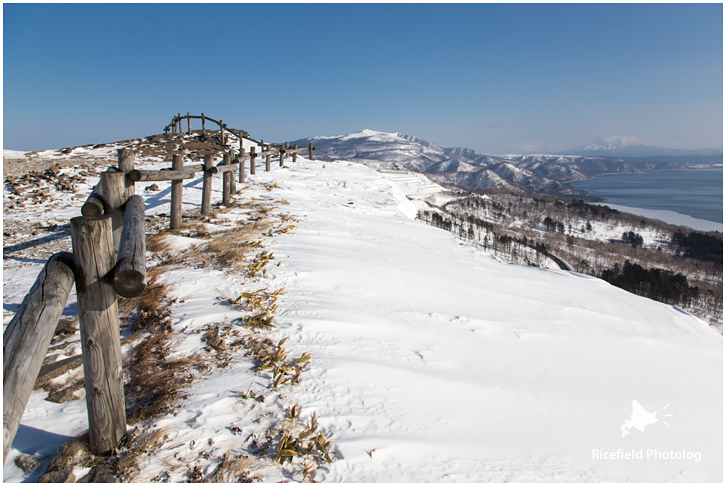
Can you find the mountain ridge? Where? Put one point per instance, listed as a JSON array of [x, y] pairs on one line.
[[465, 167], [625, 147]]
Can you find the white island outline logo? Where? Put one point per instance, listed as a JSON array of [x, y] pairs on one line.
[[640, 418]]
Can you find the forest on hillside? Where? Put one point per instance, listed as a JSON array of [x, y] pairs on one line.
[[663, 262]]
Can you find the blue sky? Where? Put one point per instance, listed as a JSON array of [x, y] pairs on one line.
[[495, 78]]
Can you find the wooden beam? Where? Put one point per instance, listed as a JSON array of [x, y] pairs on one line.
[[207, 185], [163, 174], [241, 163], [252, 160], [129, 278], [225, 182], [126, 161], [113, 187], [27, 337], [232, 178], [177, 186], [221, 169], [114, 196], [94, 203], [94, 259]]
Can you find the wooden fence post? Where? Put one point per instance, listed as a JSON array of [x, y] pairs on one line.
[[176, 194], [221, 131], [94, 258], [207, 184], [241, 163], [204, 126], [232, 180], [126, 161], [294, 154], [113, 183], [310, 148], [252, 160], [189, 123], [179, 121], [282, 156], [225, 182], [27, 337]]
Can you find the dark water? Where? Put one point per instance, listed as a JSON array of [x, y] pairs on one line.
[[697, 193]]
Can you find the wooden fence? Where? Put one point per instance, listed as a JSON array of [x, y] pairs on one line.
[[108, 260]]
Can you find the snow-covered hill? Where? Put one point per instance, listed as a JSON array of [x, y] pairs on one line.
[[466, 168], [431, 360]]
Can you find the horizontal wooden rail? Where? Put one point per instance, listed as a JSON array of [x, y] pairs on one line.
[[137, 175], [27, 337], [129, 278], [221, 169]]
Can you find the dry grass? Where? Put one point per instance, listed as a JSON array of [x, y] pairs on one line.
[[156, 381], [75, 453], [233, 470], [138, 444]]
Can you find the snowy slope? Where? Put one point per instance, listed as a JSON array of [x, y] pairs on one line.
[[455, 367], [435, 362]]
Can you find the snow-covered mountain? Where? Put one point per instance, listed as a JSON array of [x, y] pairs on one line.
[[467, 168], [627, 147]]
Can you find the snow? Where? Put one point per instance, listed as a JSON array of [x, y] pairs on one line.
[[14, 154], [432, 360]]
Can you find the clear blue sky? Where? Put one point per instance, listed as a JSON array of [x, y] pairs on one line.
[[495, 78]]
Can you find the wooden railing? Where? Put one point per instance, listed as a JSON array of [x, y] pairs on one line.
[[108, 260]]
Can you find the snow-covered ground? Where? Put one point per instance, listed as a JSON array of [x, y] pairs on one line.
[[432, 361]]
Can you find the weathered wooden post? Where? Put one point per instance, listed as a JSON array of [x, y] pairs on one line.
[[252, 160], [204, 126], [113, 184], [27, 337], [221, 131], [310, 148], [94, 258], [241, 163], [232, 180], [207, 184], [129, 278], [126, 161], [225, 181], [177, 186], [282, 156], [294, 154], [267, 157], [179, 121]]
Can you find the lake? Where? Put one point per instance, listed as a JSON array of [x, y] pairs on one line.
[[695, 193]]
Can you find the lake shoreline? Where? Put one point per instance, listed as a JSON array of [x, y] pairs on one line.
[[689, 197]]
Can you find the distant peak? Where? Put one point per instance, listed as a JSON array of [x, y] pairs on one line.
[[373, 134], [614, 142]]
